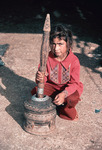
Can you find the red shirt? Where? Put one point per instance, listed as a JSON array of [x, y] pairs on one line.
[[64, 75]]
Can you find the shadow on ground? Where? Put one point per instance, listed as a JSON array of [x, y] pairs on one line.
[[83, 18], [27, 16], [16, 90]]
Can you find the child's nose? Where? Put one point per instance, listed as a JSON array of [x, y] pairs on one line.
[[56, 46]]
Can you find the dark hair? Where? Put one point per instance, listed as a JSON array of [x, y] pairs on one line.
[[63, 33]]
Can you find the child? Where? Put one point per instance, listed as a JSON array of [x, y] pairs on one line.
[[62, 75]]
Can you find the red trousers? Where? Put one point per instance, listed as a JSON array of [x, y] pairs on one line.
[[66, 111]]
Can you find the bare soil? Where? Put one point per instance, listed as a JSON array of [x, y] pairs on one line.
[[22, 37]]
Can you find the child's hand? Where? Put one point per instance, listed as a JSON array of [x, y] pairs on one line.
[[59, 99], [39, 77]]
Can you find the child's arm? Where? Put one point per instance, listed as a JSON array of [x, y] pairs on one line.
[[74, 82], [72, 85], [39, 77]]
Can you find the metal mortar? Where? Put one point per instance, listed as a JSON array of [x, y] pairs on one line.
[[40, 115]]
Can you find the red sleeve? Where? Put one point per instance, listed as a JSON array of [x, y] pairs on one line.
[[74, 78]]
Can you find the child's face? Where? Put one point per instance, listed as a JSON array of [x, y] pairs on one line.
[[59, 48]]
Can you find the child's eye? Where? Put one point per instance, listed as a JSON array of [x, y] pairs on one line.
[[60, 44], [54, 44]]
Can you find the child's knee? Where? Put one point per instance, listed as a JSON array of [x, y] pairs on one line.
[[72, 103]]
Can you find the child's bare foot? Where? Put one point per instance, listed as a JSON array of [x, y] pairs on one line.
[[76, 117]]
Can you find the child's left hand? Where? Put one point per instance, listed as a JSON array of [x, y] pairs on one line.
[[59, 99]]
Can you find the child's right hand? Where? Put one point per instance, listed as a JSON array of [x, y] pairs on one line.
[[39, 76]]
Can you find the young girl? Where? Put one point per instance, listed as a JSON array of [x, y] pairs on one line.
[[62, 77]]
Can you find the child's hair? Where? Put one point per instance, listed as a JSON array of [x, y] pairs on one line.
[[63, 33]]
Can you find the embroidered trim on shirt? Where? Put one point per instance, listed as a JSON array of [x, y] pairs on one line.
[[54, 74], [65, 74]]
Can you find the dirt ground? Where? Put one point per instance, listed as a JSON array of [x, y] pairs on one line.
[[17, 79]]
